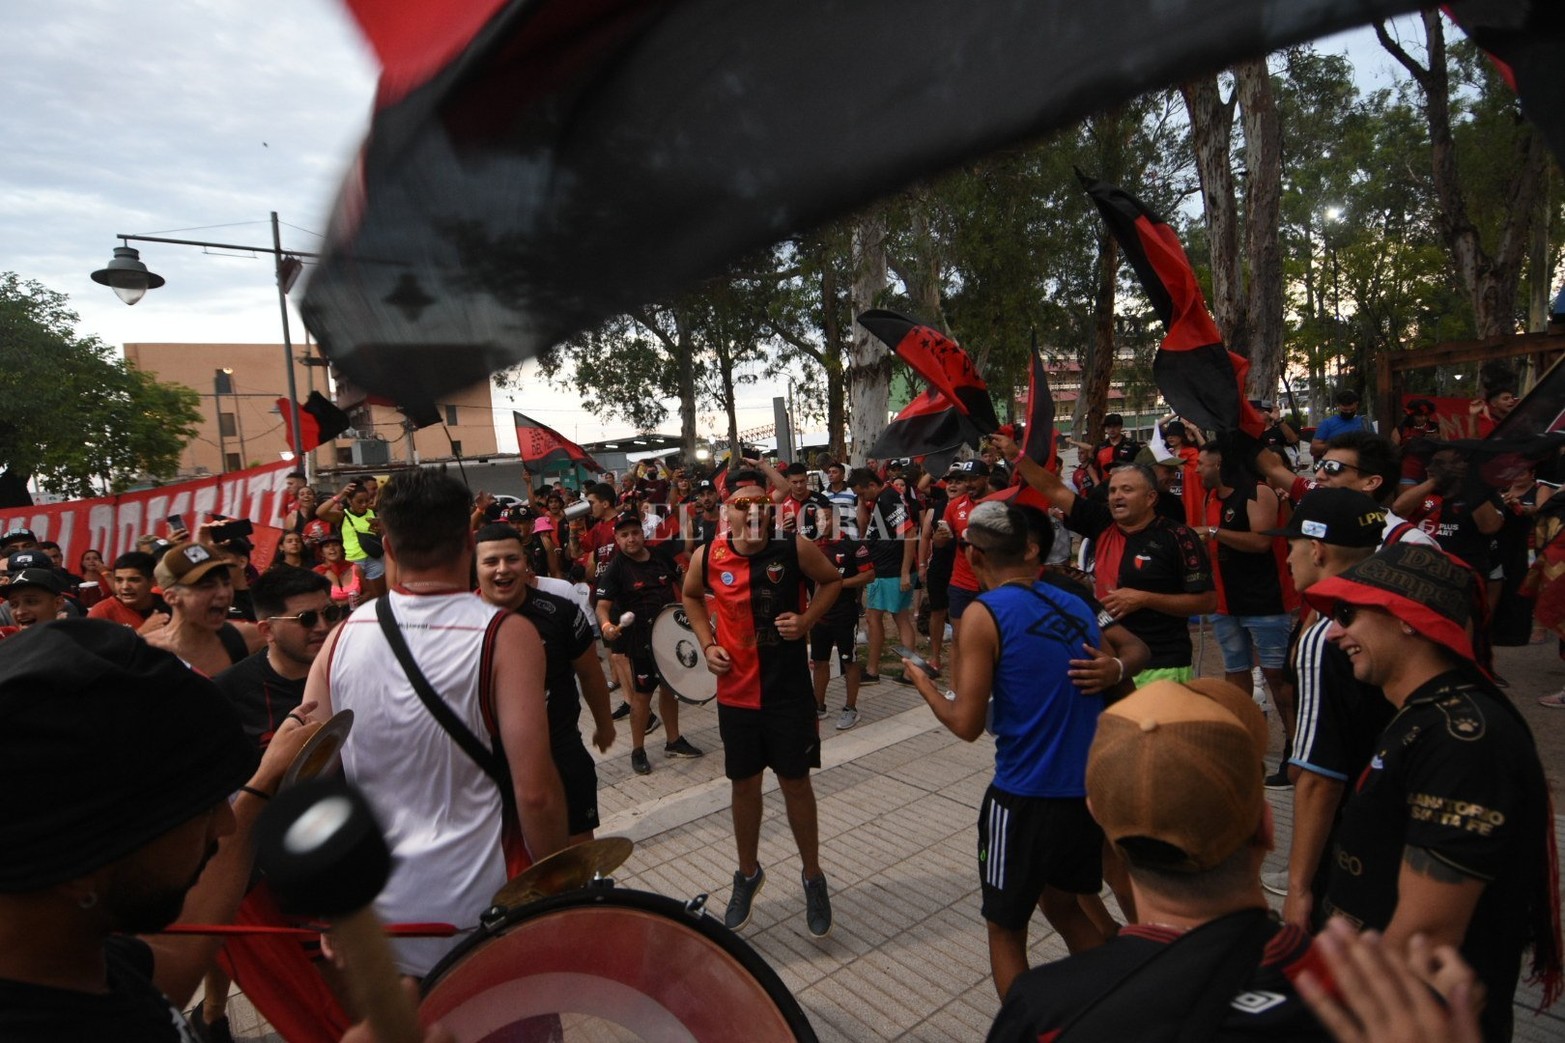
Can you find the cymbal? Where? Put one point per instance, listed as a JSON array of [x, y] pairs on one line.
[[565, 870], [319, 752]]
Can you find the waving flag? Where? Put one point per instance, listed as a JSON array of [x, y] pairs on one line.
[[534, 167], [928, 424], [319, 421], [1038, 441], [541, 445], [1201, 378], [955, 411]]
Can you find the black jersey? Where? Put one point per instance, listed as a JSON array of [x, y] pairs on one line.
[[642, 587], [566, 634]]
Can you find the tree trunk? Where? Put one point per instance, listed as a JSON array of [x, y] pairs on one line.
[[1098, 367], [836, 378], [869, 369], [725, 371], [1263, 342], [1211, 129], [686, 361]]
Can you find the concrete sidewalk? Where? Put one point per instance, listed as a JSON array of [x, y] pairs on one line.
[[906, 958]]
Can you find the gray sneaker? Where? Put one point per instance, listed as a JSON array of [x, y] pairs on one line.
[[1276, 882], [849, 717], [745, 890], [817, 906]]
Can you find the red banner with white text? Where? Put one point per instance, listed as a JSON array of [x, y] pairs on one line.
[[112, 524]]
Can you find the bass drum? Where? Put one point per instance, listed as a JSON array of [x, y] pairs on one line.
[[677, 652], [603, 963]]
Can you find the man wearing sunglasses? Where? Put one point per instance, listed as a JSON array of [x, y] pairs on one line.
[[294, 613], [1352, 460]]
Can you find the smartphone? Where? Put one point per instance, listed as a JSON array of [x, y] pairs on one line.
[[917, 660], [232, 530], [176, 522]]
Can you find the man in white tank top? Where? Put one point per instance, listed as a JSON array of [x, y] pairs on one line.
[[443, 815]]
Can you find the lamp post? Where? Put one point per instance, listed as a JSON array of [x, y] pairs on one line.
[[130, 279]]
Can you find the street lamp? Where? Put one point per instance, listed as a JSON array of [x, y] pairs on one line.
[[130, 279]]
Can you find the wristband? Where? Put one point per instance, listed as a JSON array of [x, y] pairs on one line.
[[1121, 663], [255, 792]]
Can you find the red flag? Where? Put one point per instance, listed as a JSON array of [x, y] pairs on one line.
[[939, 360], [1201, 378], [542, 445], [1038, 441], [319, 421], [929, 424]]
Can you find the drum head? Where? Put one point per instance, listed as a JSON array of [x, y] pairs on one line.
[[610, 964], [677, 653]]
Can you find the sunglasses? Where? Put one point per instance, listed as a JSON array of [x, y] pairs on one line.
[[1335, 467], [1344, 614], [309, 617]]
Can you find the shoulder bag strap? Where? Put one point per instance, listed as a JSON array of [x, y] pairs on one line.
[[491, 762]]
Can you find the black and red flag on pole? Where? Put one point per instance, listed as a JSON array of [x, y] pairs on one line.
[[319, 421], [1201, 379], [956, 409], [540, 445], [1038, 440]]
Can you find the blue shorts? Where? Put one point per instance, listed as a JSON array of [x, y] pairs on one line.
[[960, 598], [1261, 637], [374, 568], [886, 595]]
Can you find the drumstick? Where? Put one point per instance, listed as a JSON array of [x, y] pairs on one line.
[[627, 619], [324, 855]]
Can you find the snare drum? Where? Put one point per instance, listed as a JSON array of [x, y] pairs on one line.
[[610, 963], [677, 652]]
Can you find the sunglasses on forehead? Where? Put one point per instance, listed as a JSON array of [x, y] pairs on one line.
[[1334, 467], [309, 617]]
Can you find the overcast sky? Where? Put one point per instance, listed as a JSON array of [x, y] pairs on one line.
[[195, 119]]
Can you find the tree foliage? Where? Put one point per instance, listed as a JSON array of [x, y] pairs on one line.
[[72, 414]]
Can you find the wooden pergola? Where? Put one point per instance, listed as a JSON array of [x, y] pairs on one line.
[[1541, 349]]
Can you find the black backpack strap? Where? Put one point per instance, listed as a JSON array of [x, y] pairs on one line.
[[491, 760]]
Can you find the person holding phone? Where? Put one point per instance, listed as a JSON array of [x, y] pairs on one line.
[[353, 512]]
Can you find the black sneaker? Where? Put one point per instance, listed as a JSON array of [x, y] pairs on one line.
[[682, 748], [817, 907], [1278, 779], [653, 722], [210, 1031], [745, 890], [639, 763], [621, 711]]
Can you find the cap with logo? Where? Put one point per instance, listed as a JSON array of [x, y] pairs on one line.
[[32, 568], [968, 469], [18, 535], [1175, 773], [1340, 517], [186, 563], [1423, 586], [627, 520]]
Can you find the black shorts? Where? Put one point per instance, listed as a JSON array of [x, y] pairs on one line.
[[842, 633], [579, 776], [1028, 843], [959, 598], [937, 591], [785, 739]]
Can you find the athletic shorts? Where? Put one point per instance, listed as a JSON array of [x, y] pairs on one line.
[[887, 595], [961, 597], [1181, 674], [843, 635], [785, 739], [579, 776], [1245, 639], [936, 590], [644, 675], [1028, 843], [374, 568]]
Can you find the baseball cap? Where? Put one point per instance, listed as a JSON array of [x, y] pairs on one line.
[[17, 535], [1174, 775], [1423, 586], [1340, 517], [518, 512], [627, 520], [28, 559], [703, 486], [47, 578], [968, 469], [186, 563]]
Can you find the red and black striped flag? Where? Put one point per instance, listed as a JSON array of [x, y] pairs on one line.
[[540, 445], [1038, 441], [1201, 379], [956, 410]]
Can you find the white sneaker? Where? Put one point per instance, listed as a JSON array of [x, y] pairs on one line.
[[1276, 882], [848, 718]]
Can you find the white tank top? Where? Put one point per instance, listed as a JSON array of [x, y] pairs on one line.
[[441, 813]]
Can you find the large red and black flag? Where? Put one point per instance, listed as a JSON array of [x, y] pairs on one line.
[[534, 167], [956, 410], [540, 445], [1201, 379], [319, 421]]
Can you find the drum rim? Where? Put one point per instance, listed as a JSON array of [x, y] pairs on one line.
[[703, 922], [682, 697]]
